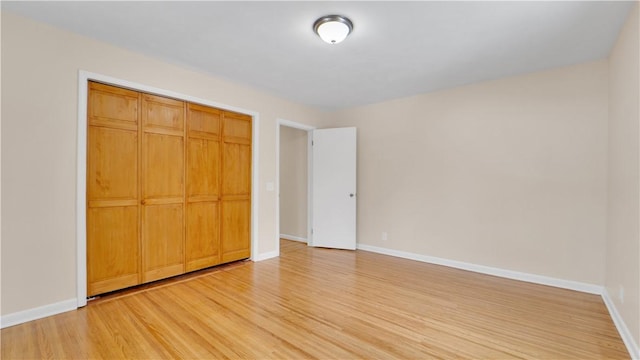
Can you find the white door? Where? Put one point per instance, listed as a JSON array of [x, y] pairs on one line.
[[334, 188]]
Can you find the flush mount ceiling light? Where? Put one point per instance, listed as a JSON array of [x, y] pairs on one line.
[[333, 28]]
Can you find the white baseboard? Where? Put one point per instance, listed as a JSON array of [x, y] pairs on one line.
[[294, 238], [266, 256], [509, 274], [38, 313], [625, 334]]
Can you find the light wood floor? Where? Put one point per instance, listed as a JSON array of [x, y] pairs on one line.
[[328, 304]]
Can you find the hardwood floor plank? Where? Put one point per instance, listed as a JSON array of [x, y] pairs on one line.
[[327, 304]]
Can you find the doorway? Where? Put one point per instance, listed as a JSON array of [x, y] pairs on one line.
[[295, 180], [294, 215]]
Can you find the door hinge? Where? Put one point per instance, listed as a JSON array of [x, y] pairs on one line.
[[311, 142]]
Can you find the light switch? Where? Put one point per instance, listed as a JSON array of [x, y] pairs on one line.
[[270, 186]]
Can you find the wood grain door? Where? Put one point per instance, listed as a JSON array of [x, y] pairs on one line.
[[112, 189], [168, 187], [202, 243], [236, 187], [163, 184]]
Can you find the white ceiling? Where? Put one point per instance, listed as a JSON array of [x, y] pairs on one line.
[[397, 49]]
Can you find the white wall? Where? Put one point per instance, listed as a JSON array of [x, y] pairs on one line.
[[509, 174], [293, 182], [40, 67], [623, 235]]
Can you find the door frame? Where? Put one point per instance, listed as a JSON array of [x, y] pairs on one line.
[[81, 166], [309, 129]]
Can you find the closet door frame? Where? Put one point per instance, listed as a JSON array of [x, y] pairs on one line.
[[81, 166]]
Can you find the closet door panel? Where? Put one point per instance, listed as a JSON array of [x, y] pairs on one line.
[[236, 215], [237, 127], [202, 243], [162, 245], [112, 164], [236, 187], [236, 169], [163, 173], [203, 169], [204, 121], [163, 184], [112, 252], [112, 106], [203, 235], [112, 189], [162, 115]]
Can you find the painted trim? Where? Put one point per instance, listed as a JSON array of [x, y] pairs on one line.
[[293, 238], [83, 78], [508, 274], [277, 185], [37, 313], [296, 125], [81, 190], [255, 183], [310, 187], [267, 255], [624, 331]]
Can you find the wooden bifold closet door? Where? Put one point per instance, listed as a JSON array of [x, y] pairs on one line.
[[168, 187], [162, 187], [112, 197], [236, 186], [203, 189]]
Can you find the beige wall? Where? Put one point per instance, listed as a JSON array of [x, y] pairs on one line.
[[40, 81], [623, 235], [293, 182], [508, 174]]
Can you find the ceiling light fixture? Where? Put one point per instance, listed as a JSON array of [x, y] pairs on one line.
[[333, 28]]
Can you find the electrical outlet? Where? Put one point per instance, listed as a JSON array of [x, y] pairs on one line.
[[621, 293], [384, 236]]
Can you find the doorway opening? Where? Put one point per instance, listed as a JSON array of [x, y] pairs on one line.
[[329, 178], [294, 181]]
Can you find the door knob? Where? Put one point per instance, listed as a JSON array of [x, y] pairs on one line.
[[351, 195]]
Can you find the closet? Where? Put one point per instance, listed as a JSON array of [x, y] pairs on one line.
[[168, 187]]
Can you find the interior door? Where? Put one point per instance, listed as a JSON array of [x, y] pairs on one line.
[[334, 188]]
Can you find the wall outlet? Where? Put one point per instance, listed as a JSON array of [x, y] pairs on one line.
[[621, 293], [384, 236]]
